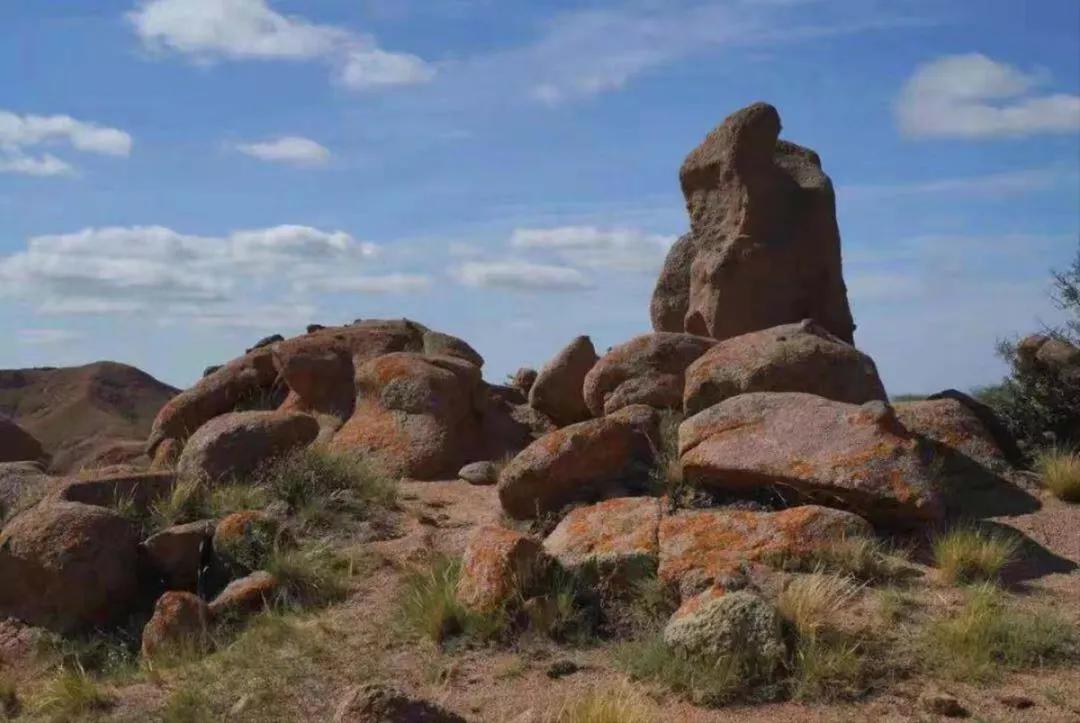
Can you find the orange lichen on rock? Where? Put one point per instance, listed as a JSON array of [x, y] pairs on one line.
[[498, 565], [618, 536]]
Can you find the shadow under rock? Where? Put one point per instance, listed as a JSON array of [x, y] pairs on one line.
[[970, 490], [1032, 560]]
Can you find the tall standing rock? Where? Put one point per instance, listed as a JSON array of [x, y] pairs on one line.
[[557, 391], [765, 244]]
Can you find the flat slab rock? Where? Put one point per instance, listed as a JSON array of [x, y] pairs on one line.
[[707, 548], [859, 458], [619, 536]]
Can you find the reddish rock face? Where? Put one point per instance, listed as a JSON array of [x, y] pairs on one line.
[[576, 463], [557, 391], [765, 245], [176, 553], [953, 425], [234, 445], [618, 536], [243, 539], [245, 596], [498, 565], [18, 445], [179, 620], [140, 489], [707, 548], [857, 457], [68, 566], [801, 357], [649, 369]]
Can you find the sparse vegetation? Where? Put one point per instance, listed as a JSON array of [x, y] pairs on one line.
[[864, 559], [9, 699], [312, 575], [621, 704], [987, 636], [1060, 473], [972, 554], [826, 669], [430, 606], [666, 474], [70, 694], [810, 602]]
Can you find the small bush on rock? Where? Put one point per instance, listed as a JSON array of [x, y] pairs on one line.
[[1060, 473], [971, 554]]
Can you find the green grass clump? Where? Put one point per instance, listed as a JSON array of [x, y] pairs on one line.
[[862, 558], [70, 694], [971, 554], [430, 606], [621, 704], [827, 668], [986, 637], [312, 575], [1060, 473], [185, 705]]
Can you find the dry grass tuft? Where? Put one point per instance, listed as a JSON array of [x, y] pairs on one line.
[[971, 554], [430, 606], [69, 695], [810, 602], [1060, 472], [620, 704]]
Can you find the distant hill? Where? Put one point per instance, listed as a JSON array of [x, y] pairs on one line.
[[100, 412]]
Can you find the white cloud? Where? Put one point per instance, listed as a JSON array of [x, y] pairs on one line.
[[19, 133], [44, 337], [385, 284], [973, 96], [520, 276], [209, 30], [295, 150], [619, 249]]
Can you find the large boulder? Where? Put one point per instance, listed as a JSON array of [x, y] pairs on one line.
[[955, 427], [857, 457], [22, 484], [68, 566], [178, 553], [617, 538], [245, 596], [718, 625], [801, 357], [765, 242], [234, 445], [577, 463], [705, 548], [649, 369], [415, 414], [557, 391], [119, 487], [18, 445], [498, 566]]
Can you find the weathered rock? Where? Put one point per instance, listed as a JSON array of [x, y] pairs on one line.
[[480, 473], [414, 414], [18, 445], [141, 490], [177, 553], [952, 425], [22, 484], [649, 369], [708, 548], [507, 423], [248, 595], [266, 341], [234, 445], [942, 704], [498, 566], [1052, 355], [67, 566], [990, 421], [765, 243], [378, 703], [524, 378], [558, 390], [617, 538], [243, 540], [671, 298], [857, 457], [579, 462], [179, 625], [717, 625], [801, 357]]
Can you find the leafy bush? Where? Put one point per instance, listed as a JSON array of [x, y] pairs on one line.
[[1060, 473], [972, 554]]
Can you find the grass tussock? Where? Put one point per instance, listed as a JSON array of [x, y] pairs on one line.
[[666, 475], [865, 559], [987, 636], [313, 575], [1060, 473], [430, 607], [827, 668], [69, 695], [971, 554], [619, 704], [810, 602]]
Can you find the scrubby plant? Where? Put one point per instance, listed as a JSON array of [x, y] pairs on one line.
[[619, 704], [972, 554], [186, 502], [71, 694], [810, 602], [666, 476], [1059, 470], [430, 606], [312, 575], [987, 636]]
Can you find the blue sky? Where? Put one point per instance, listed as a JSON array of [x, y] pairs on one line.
[[181, 177]]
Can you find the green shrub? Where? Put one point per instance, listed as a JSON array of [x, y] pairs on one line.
[[972, 554], [71, 694], [1060, 473], [430, 606]]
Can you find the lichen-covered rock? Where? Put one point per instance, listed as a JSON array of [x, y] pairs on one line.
[[705, 548], [378, 703], [177, 553], [616, 537], [952, 425], [480, 473], [764, 237], [498, 566], [585, 460], [856, 457], [993, 425], [245, 596], [718, 625], [18, 445], [140, 490], [649, 369], [68, 566], [801, 357], [22, 484], [523, 379], [557, 391], [244, 540], [235, 445], [179, 625]]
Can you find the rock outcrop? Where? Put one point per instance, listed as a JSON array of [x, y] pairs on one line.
[[801, 357], [178, 553], [234, 445], [649, 369], [765, 245], [857, 457], [557, 391], [616, 537]]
